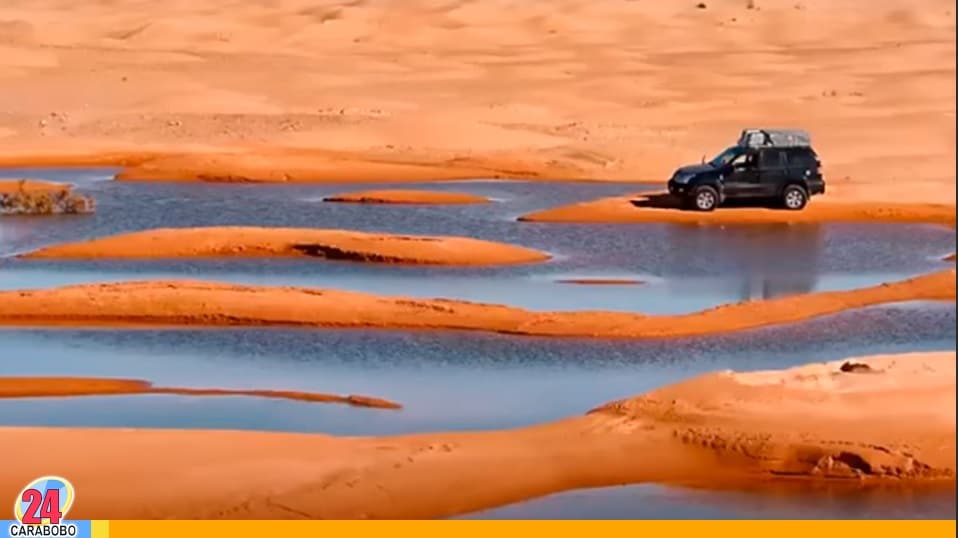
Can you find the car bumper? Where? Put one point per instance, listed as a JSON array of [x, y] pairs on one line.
[[816, 187], [678, 188]]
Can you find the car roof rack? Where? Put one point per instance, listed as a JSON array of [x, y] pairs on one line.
[[776, 138]]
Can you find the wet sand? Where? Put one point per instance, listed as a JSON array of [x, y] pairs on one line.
[[601, 281], [408, 197], [664, 208], [248, 241], [48, 387], [814, 423], [197, 303]]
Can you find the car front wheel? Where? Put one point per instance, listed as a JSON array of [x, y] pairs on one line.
[[794, 197], [705, 198]]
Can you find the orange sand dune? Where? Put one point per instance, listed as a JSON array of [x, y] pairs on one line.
[[407, 197], [37, 387], [658, 207], [14, 186], [328, 244], [894, 425], [594, 89], [218, 304]]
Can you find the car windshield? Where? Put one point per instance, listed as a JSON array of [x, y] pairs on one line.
[[726, 156]]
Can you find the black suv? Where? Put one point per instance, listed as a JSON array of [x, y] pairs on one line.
[[771, 164]]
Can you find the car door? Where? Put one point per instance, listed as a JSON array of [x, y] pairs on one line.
[[772, 172], [741, 176]]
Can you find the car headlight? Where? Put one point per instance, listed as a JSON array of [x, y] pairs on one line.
[[682, 179]]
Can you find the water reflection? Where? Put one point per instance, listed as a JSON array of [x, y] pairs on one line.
[[759, 261], [773, 501]]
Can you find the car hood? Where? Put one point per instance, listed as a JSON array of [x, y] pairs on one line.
[[694, 169]]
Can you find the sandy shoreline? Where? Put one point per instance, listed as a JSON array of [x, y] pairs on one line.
[[197, 303], [716, 430], [652, 208], [251, 241], [48, 387]]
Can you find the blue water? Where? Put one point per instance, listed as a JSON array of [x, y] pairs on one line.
[[446, 380], [650, 501]]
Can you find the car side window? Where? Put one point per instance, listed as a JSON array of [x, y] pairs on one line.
[[801, 160], [772, 158]]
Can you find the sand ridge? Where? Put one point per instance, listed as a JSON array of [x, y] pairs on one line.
[[820, 430], [47, 387], [250, 241], [414, 197], [197, 303], [783, 405], [296, 165]]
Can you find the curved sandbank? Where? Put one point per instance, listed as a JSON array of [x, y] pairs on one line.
[[48, 387], [197, 303], [661, 207], [412, 197], [248, 241], [600, 281], [301, 165], [817, 424]]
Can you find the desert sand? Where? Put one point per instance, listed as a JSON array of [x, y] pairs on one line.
[[814, 423], [660, 207], [314, 90], [15, 186], [248, 241], [413, 197], [45, 387], [171, 303]]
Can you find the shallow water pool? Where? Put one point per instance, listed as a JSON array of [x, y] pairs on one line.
[[470, 381], [684, 268]]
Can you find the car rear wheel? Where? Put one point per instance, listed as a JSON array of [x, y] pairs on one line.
[[794, 197], [705, 198]]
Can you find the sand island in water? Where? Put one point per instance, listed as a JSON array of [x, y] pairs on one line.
[[197, 303], [249, 241], [53, 387], [407, 197]]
